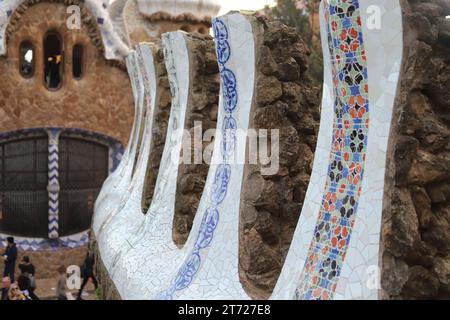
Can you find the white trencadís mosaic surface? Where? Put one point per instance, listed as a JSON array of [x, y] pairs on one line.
[[151, 234], [112, 197], [216, 274], [115, 176], [384, 50], [133, 248], [115, 49], [140, 271], [114, 230], [384, 53]]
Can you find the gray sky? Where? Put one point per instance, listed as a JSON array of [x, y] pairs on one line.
[[228, 5]]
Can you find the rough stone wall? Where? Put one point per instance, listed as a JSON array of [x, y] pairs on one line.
[[202, 109], [47, 262], [271, 204], [100, 101], [159, 132], [415, 249], [108, 290]]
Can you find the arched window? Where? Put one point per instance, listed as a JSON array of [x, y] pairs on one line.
[[83, 166], [26, 59], [185, 28], [53, 58], [77, 61], [23, 186]]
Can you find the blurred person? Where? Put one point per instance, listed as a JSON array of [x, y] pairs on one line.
[[61, 287], [6, 285], [15, 293], [10, 257], [27, 269], [88, 273], [23, 282]]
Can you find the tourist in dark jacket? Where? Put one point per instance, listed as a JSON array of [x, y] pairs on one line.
[[10, 257], [27, 268], [88, 272], [23, 282]]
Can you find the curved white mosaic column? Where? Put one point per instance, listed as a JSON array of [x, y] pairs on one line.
[[149, 265], [113, 231], [210, 264], [110, 181], [115, 190], [335, 248], [143, 245], [334, 252]]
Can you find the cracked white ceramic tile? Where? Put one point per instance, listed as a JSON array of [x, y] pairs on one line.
[[116, 191], [384, 56], [143, 260]]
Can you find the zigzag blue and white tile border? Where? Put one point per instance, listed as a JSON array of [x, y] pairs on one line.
[[37, 244], [53, 183]]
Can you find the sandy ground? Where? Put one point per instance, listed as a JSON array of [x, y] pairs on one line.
[[46, 290]]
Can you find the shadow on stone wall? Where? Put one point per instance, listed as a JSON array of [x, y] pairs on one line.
[[159, 130]]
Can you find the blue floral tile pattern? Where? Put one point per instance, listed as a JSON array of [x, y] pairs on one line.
[[222, 174]]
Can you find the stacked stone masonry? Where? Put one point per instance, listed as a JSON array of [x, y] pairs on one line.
[[271, 204], [201, 116], [416, 218], [162, 112]]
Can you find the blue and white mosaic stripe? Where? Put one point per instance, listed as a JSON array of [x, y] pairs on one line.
[[223, 172], [37, 244], [53, 183]]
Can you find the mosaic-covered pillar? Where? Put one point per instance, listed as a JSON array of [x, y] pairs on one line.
[[53, 183]]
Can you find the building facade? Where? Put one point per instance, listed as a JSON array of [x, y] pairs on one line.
[[66, 110], [146, 20]]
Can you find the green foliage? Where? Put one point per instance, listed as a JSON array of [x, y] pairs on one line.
[[286, 11], [296, 13]]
